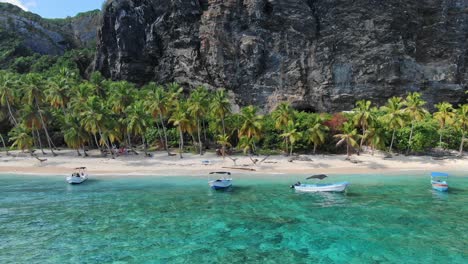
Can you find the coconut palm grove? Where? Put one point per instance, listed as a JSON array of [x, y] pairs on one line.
[[49, 106]]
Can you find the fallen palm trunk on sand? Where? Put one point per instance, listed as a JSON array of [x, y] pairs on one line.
[[235, 168]]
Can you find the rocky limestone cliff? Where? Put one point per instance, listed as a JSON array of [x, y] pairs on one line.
[[46, 36], [321, 55]]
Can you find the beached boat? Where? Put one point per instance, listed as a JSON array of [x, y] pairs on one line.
[[320, 187], [80, 175], [220, 183], [439, 181]]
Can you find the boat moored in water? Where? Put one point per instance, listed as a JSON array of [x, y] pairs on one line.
[[439, 181], [320, 187], [221, 183], [80, 175]]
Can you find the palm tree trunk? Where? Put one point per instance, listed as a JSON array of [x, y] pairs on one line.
[[181, 142], [4, 145], [287, 145], [84, 151], [347, 148], [11, 113], [78, 151], [44, 127], [410, 138], [33, 138], [391, 143], [199, 137], [461, 144], [144, 146], [193, 140], [109, 144], [39, 140], [97, 143], [165, 134], [315, 147], [440, 138], [291, 152], [130, 144], [362, 141], [204, 130], [159, 133], [105, 143], [224, 127]]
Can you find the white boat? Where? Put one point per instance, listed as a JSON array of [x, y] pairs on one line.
[[221, 183], [322, 187], [80, 175]]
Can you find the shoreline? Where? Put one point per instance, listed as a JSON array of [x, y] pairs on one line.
[[160, 164]]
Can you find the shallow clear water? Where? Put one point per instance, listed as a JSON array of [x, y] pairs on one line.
[[382, 219]]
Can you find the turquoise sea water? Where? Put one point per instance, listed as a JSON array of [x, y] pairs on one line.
[[382, 219]]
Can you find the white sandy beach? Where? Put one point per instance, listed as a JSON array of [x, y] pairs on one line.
[[162, 164]]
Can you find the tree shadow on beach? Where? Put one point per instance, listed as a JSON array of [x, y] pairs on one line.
[[374, 165]]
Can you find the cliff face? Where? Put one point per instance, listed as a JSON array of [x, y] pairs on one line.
[[318, 54], [29, 32]]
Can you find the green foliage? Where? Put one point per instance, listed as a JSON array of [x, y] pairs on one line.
[[54, 101], [425, 136]]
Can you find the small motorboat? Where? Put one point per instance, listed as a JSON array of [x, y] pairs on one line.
[[220, 183], [320, 187], [439, 181], [80, 175]]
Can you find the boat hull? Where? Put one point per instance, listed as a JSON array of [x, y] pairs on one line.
[[76, 180], [220, 184], [331, 187], [440, 186]]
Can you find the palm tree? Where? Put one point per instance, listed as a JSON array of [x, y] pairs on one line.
[[59, 88], [4, 145], [363, 116], [221, 107], [291, 134], [21, 138], [282, 115], [375, 137], [137, 121], [80, 94], [462, 123], [394, 117], [74, 135], [317, 132], [348, 136], [180, 120], [157, 105], [7, 93], [33, 95], [92, 120], [415, 111], [197, 109], [31, 120], [223, 140], [247, 144], [445, 116], [251, 123], [173, 93], [121, 95]]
